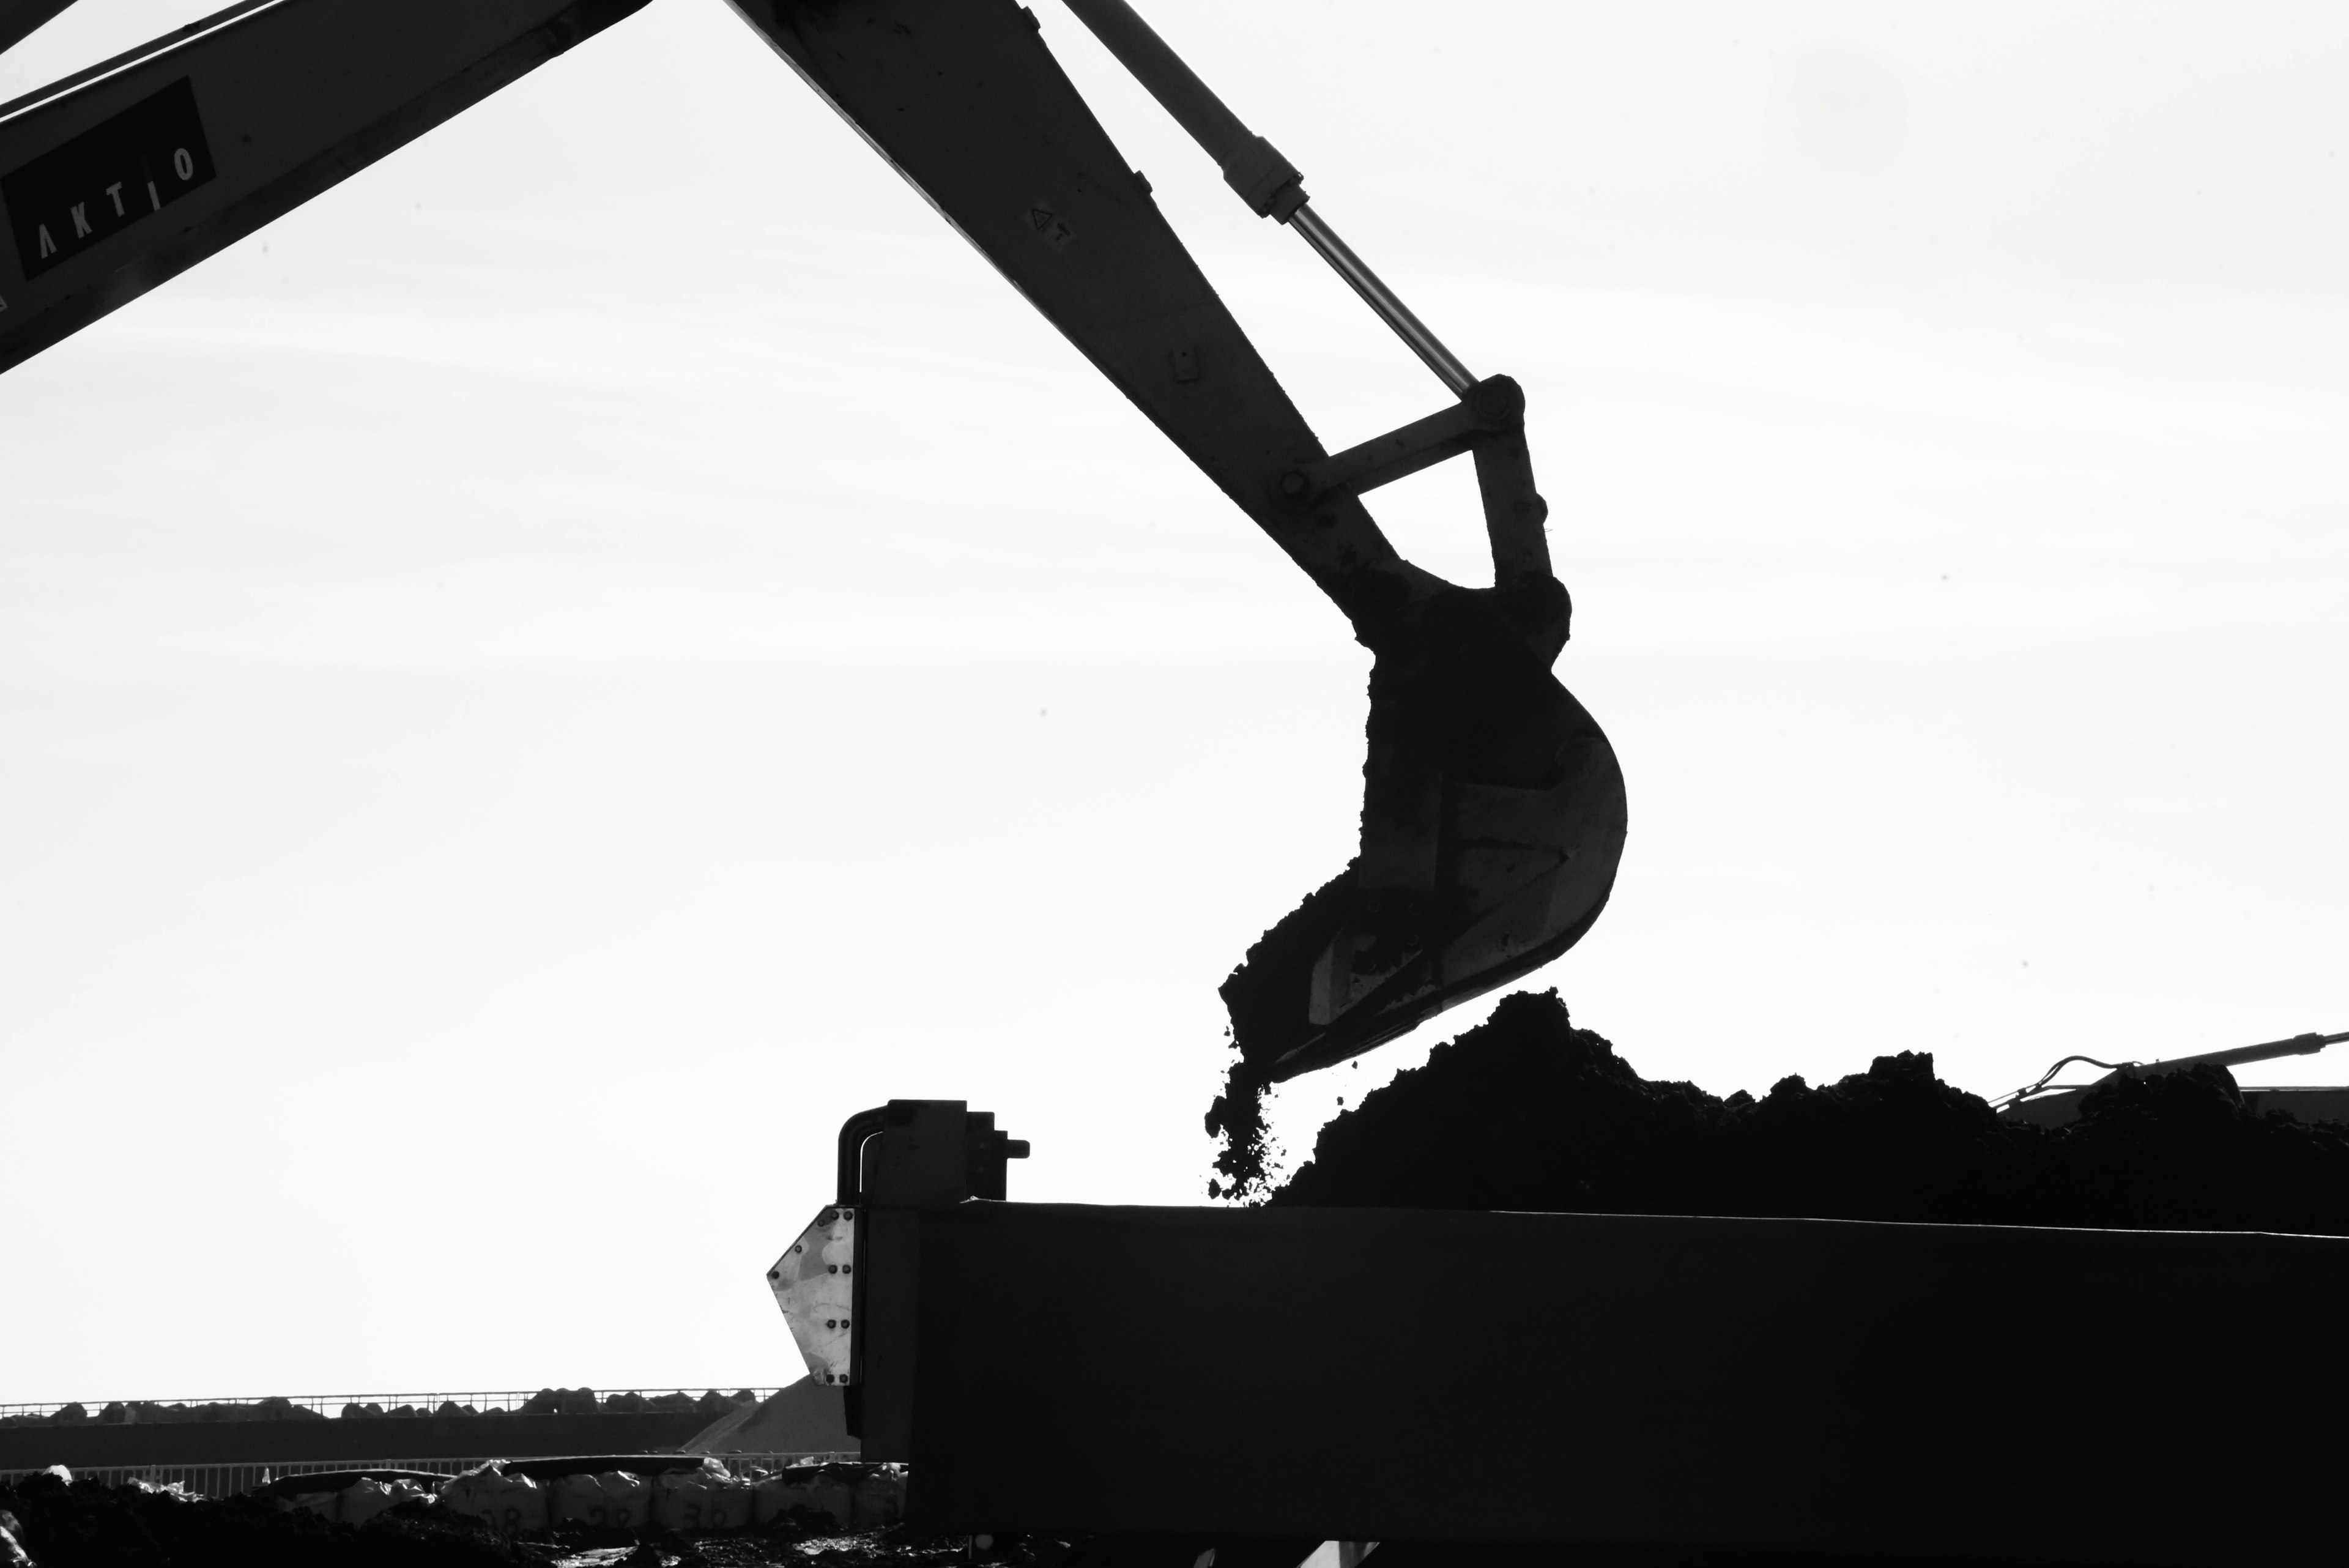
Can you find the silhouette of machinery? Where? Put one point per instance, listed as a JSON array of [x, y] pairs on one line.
[[1255, 1381]]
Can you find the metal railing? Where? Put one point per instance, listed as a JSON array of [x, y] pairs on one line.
[[333, 1404]]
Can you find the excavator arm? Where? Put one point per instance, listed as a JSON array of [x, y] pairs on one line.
[[1493, 814]]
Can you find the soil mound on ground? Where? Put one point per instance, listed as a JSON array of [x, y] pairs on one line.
[[1527, 1112]]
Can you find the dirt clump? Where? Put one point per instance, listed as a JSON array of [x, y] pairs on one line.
[[1527, 1112]]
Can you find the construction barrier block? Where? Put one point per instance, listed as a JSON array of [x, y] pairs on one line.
[[697, 1502], [808, 1494], [513, 1505], [613, 1500], [877, 1498]]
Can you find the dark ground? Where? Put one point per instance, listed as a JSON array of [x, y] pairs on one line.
[[88, 1524], [92, 1525]]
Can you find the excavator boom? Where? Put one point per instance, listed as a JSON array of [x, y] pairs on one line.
[[128, 174]]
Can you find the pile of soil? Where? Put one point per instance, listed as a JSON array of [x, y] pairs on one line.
[[1527, 1112]]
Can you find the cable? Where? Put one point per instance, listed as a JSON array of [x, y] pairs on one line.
[[2241, 1055], [2025, 1094]]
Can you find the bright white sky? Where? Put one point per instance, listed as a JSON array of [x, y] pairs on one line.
[[535, 686]]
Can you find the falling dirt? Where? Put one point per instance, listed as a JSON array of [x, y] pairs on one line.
[[1527, 1112], [1266, 998]]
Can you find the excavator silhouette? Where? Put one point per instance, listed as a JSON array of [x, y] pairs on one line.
[[1493, 808]]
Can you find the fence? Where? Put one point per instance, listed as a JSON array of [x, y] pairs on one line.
[[226, 1480], [331, 1405]]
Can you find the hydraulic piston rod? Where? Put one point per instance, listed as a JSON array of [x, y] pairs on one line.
[[1252, 166], [1382, 299]]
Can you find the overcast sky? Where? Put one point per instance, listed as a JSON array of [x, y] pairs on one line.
[[536, 685]]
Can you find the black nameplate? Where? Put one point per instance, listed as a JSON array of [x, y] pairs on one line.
[[118, 171]]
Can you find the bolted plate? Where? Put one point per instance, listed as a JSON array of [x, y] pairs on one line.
[[813, 1283]]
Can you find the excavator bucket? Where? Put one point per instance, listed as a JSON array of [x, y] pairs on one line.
[[1493, 820]]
